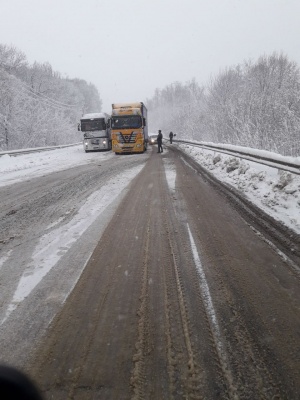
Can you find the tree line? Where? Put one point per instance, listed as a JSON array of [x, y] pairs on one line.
[[38, 107], [254, 104]]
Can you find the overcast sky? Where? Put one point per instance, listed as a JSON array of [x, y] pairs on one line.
[[130, 48]]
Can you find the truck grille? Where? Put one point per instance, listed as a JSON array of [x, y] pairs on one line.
[[129, 138]]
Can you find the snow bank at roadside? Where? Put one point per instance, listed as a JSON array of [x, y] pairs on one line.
[[276, 192], [250, 151]]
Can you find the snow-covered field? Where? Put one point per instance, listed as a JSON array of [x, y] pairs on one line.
[[276, 192]]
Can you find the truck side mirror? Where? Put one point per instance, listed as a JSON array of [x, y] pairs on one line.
[[144, 121], [78, 127]]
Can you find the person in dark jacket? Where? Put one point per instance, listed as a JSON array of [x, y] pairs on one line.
[[159, 142], [171, 137]]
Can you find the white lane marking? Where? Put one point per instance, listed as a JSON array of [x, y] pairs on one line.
[[205, 291], [171, 177], [207, 299]]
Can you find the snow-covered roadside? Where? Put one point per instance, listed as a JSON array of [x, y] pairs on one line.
[[276, 192], [17, 168]]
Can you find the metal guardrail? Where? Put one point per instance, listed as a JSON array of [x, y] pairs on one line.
[[36, 149], [277, 162]]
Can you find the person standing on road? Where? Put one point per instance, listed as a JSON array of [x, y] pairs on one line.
[[171, 137], [159, 142]]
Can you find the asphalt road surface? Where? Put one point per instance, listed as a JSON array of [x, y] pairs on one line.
[[190, 293]]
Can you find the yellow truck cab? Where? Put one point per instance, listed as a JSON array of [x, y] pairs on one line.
[[129, 128]]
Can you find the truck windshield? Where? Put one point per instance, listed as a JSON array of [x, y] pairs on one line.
[[88, 125], [124, 122]]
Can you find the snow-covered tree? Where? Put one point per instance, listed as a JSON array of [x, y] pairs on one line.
[[255, 104], [37, 106]]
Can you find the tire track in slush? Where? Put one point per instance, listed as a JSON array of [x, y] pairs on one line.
[[138, 373], [172, 287], [81, 380], [171, 359], [251, 362], [130, 245], [206, 301], [198, 383], [194, 375], [227, 360], [38, 365], [145, 358], [184, 375], [90, 340], [194, 378], [260, 379], [209, 307], [192, 383], [103, 330], [177, 329]]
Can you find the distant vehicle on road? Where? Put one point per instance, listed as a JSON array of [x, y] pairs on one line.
[[97, 132], [153, 139]]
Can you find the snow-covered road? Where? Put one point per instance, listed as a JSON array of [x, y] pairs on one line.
[[54, 208], [50, 199]]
